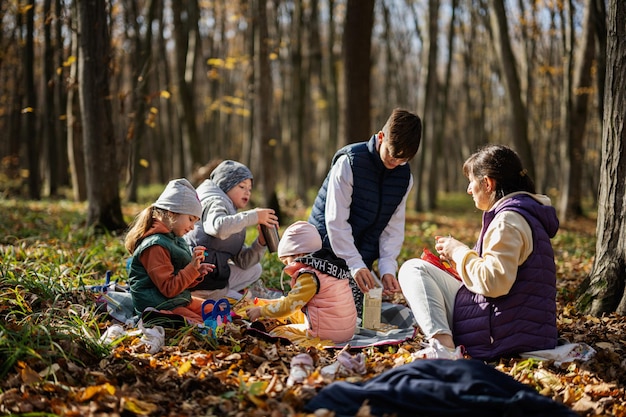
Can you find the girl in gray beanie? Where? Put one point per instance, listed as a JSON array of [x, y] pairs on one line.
[[222, 230], [163, 268]]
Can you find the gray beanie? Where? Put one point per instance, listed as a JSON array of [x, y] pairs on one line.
[[229, 173], [180, 197]]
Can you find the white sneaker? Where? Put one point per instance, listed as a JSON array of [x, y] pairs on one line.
[[435, 350]]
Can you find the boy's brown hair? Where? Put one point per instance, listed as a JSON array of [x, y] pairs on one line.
[[403, 133]]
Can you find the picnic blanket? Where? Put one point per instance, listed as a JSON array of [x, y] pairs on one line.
[[401, 325], [396, 315]]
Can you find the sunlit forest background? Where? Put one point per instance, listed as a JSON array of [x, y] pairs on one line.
[[281, 85]]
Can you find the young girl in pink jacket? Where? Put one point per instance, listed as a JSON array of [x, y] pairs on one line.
[[320, 289]]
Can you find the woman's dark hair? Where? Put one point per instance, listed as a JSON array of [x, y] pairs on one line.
[[502, 164]]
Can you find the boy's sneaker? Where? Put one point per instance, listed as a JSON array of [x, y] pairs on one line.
[[435, 350]]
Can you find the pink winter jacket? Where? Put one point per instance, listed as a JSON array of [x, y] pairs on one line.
[[331, 312]]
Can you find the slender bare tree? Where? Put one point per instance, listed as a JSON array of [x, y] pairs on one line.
[[508, 64], [142, 72], [75, 149], [30, 110], [431, 148], [572, 158]]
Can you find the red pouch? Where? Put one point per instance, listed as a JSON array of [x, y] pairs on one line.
[[431, 258]]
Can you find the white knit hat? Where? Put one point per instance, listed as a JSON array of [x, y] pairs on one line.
[[299, 238], [180, 197]]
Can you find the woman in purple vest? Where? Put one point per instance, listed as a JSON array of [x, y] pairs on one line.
[[505, 303]]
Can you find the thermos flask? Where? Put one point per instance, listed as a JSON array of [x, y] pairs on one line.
[[270, 233]]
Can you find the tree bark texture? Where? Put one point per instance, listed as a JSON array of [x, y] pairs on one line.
[[357, 42], [504, 52], [30, 109], [104, 209], [571, 198], [605, 292]]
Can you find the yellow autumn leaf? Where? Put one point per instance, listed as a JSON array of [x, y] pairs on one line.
[[216, 62], [90, 392], [138, 407], [165, 94], [69, 61], [184, 368], [144, 163]]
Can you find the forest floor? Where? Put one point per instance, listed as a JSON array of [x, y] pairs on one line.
[[52, 365]]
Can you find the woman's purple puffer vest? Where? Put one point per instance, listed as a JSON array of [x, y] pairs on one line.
[[525, 318]]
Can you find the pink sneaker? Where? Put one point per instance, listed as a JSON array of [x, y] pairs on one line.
[[435, 350]]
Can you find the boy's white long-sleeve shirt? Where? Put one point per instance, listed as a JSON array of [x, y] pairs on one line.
[[338, 201]]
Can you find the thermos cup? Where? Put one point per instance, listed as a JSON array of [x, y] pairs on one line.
[[270, 233]]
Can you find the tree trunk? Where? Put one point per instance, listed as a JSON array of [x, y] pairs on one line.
[[448, 149], [105, 210], [263, 116], [30, 109], [166, 153], [300, 76], [604, 291], [519, 117], [571, 198], [357, 43], [599, 18], [142, 68], [333, 109], [185, 16], [48, 111], [431, 148], [75, 149]]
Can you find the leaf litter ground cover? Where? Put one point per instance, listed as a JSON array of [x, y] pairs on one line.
[[52, 363]]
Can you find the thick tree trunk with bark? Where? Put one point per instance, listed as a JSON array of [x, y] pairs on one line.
[[185, 17], [357, 41], [605, 289], [105, 210]]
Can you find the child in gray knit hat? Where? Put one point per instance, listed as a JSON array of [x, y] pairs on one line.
[[222, 230], [163, 268]]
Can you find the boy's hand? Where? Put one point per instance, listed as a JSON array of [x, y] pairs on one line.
[[390, 284], [364, 280]]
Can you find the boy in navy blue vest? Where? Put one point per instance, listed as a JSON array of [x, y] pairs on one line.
[[360, 208]]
